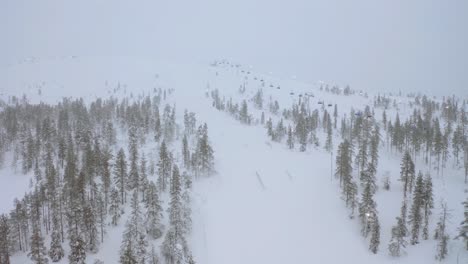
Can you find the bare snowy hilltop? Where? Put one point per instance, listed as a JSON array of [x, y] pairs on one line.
[[233, 132]]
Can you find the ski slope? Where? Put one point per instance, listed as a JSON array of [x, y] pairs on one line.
[[265, 204]]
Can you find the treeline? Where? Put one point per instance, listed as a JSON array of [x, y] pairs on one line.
[[89, 165], [419, 135], [362, 135]]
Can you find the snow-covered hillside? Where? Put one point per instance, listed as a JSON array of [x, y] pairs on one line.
[[265, 202]]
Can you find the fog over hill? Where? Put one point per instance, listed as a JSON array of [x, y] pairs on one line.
[[372, 45], [233, 132]]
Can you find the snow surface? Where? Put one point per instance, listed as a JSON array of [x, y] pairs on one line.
[[297, 217]]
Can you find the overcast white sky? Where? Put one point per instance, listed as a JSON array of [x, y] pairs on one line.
[[386, 45]]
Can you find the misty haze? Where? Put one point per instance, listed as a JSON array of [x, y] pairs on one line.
[[228, 132]]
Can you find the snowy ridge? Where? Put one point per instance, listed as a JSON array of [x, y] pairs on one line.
[[266, 203]]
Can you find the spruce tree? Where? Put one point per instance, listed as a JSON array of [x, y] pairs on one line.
[[343, 172], [5, 232], [205, 153], [374, 146], [143, 177], [367, 210], [114, 208], [169, 247], [438, 145], [445, 145], [100, 211], [164, 166], [415, 217], [335, 115], [397, 134], [133, 175], [290, 140], [428, 201], [301, 132], [367, 176], [441, 234], [457, 143], [329, 140], [154, 257], [185, 152], [190, 122], [153, 215], [106, 175], [384, 119], [350, 192], [175, 204], [362, 155], [174, 248], [141, 249], [186, 210], [280, 131], [269, 127], [244, 116], [258, 99], [77, 250], [407, 173], [463, 230], [466, 161], [134, 237], [38, 251], [190, 260], [274, 107], [398, 243], [120, 174], [90, 229], [109, 134], [403, 216], [157, 127], [375, 236], [56, 252], [343, 161], [134, 227], [169, 123], [127, 256]]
